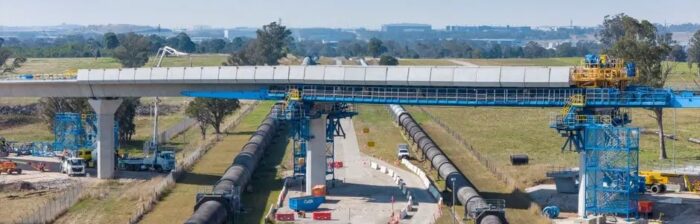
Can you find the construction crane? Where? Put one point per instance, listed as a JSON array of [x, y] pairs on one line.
[[162, 53]]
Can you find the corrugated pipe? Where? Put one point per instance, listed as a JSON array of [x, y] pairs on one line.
[[220, 207], [466, 192]]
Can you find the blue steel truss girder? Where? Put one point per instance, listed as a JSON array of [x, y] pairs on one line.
[[460, 96], [469, 96]]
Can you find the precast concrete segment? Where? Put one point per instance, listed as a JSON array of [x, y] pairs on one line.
[[487, 76], [316, 155], [219, 207], [75, 88], [465, 190], [105, 109]]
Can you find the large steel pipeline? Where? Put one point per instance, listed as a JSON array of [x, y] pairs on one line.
[[218, 207], [474, 205]]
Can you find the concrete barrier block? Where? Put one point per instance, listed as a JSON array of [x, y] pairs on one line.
[[382, 169], [373, 165], [404, 213], [390, 172]]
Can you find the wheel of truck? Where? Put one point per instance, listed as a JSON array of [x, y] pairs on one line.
[[159, 169], [19, 171], [655, 189], [663, 188]]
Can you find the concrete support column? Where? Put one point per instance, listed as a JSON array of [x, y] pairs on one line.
[[105, 109], [582, 185], [316, 154]]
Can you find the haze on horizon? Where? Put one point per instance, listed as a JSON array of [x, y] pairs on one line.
[[339, 14]]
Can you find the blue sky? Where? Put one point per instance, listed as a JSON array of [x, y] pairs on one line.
[[340, 14]]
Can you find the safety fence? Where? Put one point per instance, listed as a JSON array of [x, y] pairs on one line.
[[49, 211], [492, 166], [182, 166], [175, 130]]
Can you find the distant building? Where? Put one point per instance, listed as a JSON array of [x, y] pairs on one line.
[[488, 28], [226, 34], [406, 28]]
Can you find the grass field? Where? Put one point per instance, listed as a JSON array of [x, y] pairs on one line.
[[116, 201], [437, 62], [386, 135], [110, 201], [177, 206], [526, 61]]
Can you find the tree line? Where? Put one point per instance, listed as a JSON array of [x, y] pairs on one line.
[[80, 46]]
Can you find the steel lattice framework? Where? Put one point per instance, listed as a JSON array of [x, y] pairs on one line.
[[612, 169]]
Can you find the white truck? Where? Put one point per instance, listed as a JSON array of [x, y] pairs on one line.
[[161, 161], [73, 166], [402, 151]]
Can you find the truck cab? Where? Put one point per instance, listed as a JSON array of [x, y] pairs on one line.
[[73, 166], [402, 151], [87, 156]]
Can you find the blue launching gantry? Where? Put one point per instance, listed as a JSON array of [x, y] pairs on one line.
[[592, 119]]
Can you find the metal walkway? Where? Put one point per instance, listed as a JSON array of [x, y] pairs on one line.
[[468, 96]]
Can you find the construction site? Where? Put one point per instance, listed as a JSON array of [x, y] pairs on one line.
[[285, 125], [333, 143]]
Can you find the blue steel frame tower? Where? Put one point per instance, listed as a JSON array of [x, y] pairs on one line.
[[609, 156], [298, 113]]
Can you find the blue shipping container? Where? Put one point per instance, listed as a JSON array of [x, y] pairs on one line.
[[306, 203]]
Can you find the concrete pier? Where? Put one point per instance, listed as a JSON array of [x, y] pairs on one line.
[[105, 109], [316, 155]]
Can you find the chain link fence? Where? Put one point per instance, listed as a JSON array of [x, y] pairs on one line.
[[52, 209], [147, 203]]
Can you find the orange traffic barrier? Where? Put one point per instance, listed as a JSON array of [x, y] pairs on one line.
[[645, 206], [322, 216], [284, 216]]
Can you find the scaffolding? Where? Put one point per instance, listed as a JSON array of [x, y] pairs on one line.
[[611, 163], [74, 131], [69, 132]]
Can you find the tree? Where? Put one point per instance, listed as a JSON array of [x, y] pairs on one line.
[[388, 60], [375, 47], [637, 41], [678, 53], [270, 45], [566, 50], [182, 42], [5, 54], [125, 115], [534, 50], [156, 42], [133, 51], [694, 51], [111, 40], [211, 111], [212, 46]]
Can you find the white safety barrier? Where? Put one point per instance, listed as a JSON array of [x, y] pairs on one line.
[[410, 205]]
